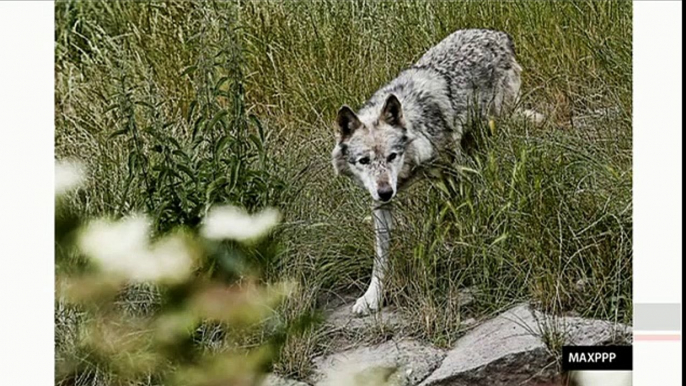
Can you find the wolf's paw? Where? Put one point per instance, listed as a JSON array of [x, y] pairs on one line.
[[369, 303]]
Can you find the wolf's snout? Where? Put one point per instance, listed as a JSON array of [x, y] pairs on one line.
[[385, 193]]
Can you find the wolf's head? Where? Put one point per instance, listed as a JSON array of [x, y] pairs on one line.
[[372, 149]]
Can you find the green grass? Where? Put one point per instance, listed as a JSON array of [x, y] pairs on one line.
[[540, 214]]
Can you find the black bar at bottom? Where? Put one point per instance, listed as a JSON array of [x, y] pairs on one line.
[[597, 358]]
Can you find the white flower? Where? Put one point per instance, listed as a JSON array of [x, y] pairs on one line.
[[68, 175], [230, 222], [111, 242], [170, 261], [121, 248]]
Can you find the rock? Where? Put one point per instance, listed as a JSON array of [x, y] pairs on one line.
[[594, 117], [468, 323], [588, 332], [509, 350], [602, 378], [342, 318], [405, 362], [275, 380], [467, 296]]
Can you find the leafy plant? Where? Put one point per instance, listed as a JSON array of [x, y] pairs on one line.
[[217, 154], [163, 345]]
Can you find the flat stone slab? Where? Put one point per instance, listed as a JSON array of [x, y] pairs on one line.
[[405, 362], [509, 349], [342, 318]]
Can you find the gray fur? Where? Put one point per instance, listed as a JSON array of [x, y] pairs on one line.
[[389, 140]]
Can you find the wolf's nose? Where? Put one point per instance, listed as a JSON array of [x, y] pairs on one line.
[[385, 193]]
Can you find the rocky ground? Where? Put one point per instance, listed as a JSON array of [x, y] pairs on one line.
[[509, 349]]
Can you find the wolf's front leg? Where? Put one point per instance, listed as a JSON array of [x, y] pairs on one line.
[[372, 299]]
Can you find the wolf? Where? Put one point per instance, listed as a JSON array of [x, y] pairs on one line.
[[417, 118]]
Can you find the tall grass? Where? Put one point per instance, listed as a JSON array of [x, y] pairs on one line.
[[178, 105]]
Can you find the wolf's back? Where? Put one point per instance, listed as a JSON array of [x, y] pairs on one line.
[[470, 52]]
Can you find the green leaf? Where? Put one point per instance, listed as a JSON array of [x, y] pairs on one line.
[[133, 162], [235, 173], [222, 143], [216, 119], [220, 83], [257, 142], [188, 70], [260, 129], [160, 211], [175, 174], [118, 133], [181, 154], [145, 104], [502, 238], [215, 185], [160, 177], [186, 170], [197, 126], [191, 110], [144, 162], [174, 142], [182, 197], [110, 108], [159, 137]]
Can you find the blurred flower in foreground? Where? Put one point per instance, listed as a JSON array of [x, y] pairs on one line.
[[121, 248], [68, 175], [249, 301], [230, 222]]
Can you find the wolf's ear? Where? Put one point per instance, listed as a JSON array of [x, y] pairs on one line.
[[392, 111], [347, 121]]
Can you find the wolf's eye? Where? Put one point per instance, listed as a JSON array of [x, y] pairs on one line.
[[363, 160], [391, 157]]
